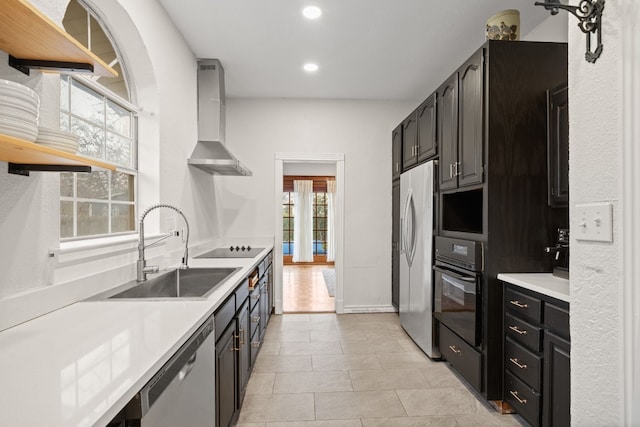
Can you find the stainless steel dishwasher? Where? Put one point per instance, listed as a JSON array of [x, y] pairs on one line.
[[182, 392]]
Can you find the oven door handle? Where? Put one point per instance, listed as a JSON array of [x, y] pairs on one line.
[[454, 273]]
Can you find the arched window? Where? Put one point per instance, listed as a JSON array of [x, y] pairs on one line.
[[99, 110]]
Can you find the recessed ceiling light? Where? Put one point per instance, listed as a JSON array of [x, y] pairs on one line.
[[312, 12], [310, 67]]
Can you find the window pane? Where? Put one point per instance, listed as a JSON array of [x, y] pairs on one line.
[[66, 184], [87, 103], [116, 85], [118, 119], [122, 187], [285, 198], [93, 218], [315, 236], [122, 218], [321, 211], [286, 223], [315, 223], [321, 236], [100, 44], [64, 122], [64, 93], [321, 198], [66, 219], [118, 149], [94, 185], [91, 138]]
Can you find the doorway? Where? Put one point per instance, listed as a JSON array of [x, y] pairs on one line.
[[308, 243], [307, 285]]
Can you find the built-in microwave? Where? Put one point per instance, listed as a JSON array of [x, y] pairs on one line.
[[462, 211]]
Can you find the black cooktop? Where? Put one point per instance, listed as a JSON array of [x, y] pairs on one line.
[[232, 252]]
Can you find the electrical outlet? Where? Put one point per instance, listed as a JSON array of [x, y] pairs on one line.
[[171, 224], [594, 222]]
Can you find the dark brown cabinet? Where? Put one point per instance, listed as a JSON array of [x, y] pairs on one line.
[[427, 136], [395, 244], [410, 141], [396, 152], [558, 145], [244, 360], [537, 357], [460, 123], [226, 382], [240, 325], [448, 131]]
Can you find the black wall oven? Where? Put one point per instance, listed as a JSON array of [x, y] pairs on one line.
[[458, 287]]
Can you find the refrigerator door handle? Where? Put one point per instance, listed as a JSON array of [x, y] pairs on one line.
[[410, 228], [401, 237]]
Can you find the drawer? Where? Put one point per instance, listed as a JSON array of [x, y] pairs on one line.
[[524, 364], [524, 305], [254, 296], [522, 398], [224, 314], [556, 319], [242, 292], [254, 318], [462, 356], [523, 332]]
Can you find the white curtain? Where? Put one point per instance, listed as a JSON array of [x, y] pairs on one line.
[[303, 221], [331, 224]]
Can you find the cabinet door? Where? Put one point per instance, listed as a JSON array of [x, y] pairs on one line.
[[558, 145], [409, 141], [226, 379], [244, 366], [395, 244], [448, 131], [557, 381], [427, 138], [396, 152], [470, 160]]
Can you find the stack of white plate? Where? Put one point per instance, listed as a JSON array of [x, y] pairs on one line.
[[58, 139], [18, 110]]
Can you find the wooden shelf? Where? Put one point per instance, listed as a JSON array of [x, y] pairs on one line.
[[26, 33], [14, 150]]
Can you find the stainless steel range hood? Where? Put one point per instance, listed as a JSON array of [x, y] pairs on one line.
[[210, 153]]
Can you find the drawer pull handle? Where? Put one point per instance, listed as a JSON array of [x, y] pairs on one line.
[[255, 344], [256, 296], [518, 364], [515, 394], [519, 304], [519, 331], [255, 319], [454, 349], [234, 348]]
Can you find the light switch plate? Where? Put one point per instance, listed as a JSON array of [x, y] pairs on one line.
[[594, 222]]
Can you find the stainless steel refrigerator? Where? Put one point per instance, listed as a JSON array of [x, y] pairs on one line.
[[416, 255]]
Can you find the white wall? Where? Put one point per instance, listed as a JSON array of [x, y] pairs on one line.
[[595, 174], [163, 71], [257, 129]]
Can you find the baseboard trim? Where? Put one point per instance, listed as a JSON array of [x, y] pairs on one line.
[[369, 309]]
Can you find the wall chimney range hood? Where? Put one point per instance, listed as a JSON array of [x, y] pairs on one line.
[[210, 153]]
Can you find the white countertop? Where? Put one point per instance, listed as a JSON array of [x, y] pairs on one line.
[[80, 365], [544, 283]]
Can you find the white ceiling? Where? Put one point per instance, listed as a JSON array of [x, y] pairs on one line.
[[366, 49]]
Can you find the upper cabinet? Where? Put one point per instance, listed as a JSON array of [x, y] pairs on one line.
[[34, 41], [426, 119], [460, 115], [558, 145], [396, 152], [410, 141]]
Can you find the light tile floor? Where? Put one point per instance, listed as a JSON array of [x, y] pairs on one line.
[[355, 370]]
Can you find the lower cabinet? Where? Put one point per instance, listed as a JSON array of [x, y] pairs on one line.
[[537, 357], [226, 368], [240, 324]]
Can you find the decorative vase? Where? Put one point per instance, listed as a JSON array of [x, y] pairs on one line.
[[504, 25]]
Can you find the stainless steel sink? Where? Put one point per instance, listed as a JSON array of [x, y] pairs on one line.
[[189, 283]]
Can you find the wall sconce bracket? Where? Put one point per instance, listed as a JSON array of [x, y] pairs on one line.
[[589, 13]]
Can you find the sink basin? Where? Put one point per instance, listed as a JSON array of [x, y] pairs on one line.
[[189, 283]]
